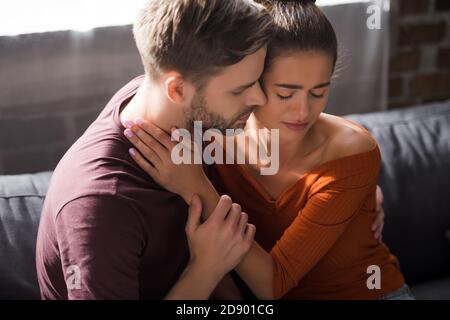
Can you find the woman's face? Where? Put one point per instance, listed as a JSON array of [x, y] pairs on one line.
[[297, 87]]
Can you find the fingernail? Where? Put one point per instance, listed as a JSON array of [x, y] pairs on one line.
[[139, 121], [132, 152], [129, 133], [128, 124]]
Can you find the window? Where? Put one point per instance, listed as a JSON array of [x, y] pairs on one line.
[[30, 16]]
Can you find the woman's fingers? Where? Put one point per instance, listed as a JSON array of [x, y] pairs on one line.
[[143, 146], [379, 198], [378, 225], [157, 133], [143, 163], [152, 143], [379, 217]]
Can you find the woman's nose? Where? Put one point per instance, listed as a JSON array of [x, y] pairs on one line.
[[301, 108]]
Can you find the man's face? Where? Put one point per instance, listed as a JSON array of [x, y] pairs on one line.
[[228, 99]]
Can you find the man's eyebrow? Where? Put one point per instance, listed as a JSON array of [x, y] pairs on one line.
[[296, 86], [245, 86]]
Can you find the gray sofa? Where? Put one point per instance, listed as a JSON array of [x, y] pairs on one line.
[[415, 177]]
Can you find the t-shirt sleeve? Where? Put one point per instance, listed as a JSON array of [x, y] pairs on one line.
[[334, 201], [100, 241]]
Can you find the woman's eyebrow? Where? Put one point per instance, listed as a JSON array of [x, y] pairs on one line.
[[297, 86], [289, 86], [326, 84]]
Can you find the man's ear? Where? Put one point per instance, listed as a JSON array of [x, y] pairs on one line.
[[176, 88]]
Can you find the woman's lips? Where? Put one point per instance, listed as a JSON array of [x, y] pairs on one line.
[[296, 126]]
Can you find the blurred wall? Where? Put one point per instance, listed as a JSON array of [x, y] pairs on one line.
[[53, 85], [420, 52]]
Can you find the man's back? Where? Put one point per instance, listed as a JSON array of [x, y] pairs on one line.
[[107, 230]]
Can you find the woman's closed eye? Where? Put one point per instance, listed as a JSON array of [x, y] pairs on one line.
[[283, 97], [285, 94], [317, 93]]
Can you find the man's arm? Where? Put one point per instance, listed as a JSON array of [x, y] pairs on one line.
[[256, 267], [227, 289], [194, 284], [216, 247], [101, 238]]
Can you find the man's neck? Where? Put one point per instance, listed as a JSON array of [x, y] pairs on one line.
[[148, 104]]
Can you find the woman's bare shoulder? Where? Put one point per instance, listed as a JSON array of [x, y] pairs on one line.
[[345, 138]]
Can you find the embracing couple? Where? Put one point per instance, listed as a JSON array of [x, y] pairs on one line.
[[121, 220]]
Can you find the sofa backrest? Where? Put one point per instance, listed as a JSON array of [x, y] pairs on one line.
[[415, 179], [21, 199]]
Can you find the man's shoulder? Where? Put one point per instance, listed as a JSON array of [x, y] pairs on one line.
[[105, 188], [95, 207]]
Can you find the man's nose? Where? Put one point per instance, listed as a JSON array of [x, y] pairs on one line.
[[256, 96]]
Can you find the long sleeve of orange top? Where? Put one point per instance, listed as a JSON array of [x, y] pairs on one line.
[[334, 199]]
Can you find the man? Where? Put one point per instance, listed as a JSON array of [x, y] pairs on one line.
[[107, 230]]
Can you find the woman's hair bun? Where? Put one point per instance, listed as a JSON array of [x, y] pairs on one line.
[[271, 3]]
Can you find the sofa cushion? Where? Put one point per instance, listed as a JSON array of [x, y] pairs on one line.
[[21, 199], [437, 289], [415, 148]]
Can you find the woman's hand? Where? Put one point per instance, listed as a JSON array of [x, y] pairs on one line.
[[154, 157]]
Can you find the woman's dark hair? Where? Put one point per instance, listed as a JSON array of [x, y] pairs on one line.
[[299, 25]]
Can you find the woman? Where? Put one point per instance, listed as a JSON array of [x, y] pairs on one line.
[[313, 217]]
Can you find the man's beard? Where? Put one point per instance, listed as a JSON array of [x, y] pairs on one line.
[[209, 119]]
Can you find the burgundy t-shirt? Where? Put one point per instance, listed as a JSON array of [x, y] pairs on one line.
[[107, 230]]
